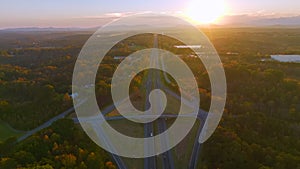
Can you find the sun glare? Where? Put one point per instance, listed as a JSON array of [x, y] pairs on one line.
[[205, 11]]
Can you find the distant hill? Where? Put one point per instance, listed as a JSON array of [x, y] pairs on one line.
[[292, 21], [46, 29], [229, 20], [248, 20]]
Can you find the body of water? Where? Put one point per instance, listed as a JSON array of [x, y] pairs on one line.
[[286, 58]]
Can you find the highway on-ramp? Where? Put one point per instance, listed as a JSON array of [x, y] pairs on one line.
[[49, 122]]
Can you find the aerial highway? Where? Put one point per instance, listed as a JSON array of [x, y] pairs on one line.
[[152, 81], [150, 162], [168, 162]]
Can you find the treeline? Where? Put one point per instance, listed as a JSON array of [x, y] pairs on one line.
[[260, 126], [30, 96], [63, 145]]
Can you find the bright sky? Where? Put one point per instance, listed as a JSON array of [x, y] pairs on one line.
[[76, 13]]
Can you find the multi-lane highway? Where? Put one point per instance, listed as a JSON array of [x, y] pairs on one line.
[[196, 149], [100, 133], [153, 81], [202, 115], [167, 159], [150, 162]]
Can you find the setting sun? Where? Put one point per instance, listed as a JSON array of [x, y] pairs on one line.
[[205, 11]]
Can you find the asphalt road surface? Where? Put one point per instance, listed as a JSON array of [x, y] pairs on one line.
[[150, 162], [153, 81], [48, 123]]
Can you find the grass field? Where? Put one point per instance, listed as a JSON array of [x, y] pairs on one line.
[[183, 151], [6, 131]]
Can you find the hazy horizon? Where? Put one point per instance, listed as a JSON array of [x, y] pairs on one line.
[[86, 14]]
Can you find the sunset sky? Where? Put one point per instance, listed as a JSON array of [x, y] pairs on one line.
[[79, 13]]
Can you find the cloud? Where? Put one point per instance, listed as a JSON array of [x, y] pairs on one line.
[[113, 15]]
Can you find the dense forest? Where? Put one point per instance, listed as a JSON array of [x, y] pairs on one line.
[[259, 129], [64, 145]]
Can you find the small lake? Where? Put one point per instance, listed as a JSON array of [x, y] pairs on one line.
[[286, 58]]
